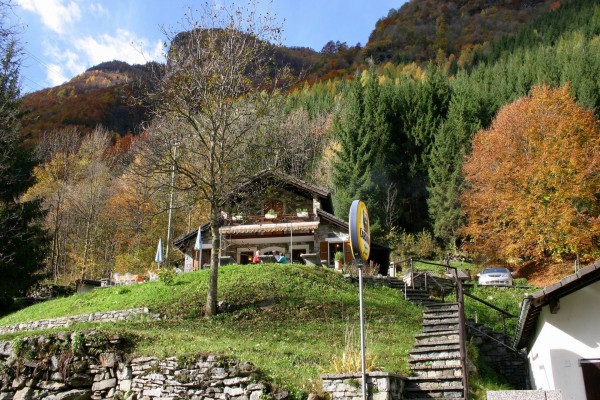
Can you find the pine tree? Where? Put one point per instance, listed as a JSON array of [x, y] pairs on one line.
[[363, 134], [21, 235]]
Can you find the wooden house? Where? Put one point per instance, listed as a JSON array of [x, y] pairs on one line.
[[277, 212]]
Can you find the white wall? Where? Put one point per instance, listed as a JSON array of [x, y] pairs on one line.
[[563, 339]]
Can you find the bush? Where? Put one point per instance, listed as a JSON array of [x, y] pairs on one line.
[[166, 276], [421, 245]]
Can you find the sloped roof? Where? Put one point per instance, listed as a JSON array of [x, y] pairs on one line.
[[532, 305], [290, 181]]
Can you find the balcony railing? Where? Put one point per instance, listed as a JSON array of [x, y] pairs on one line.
[[264, 219]]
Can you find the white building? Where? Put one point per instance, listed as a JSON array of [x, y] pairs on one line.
[[560, 328]]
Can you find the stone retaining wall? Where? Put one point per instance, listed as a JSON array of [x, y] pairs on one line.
[[514, 367], [380, 386], [108, 316], [61, 375]]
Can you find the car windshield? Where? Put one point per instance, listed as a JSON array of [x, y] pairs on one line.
[[496, 271]]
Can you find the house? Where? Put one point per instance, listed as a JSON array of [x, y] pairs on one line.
[[559, 327], [275, 211]]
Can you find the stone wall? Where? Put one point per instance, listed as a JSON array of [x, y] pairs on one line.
[[507, 363], [380, 386], [108, 316], [70, 372], [524, 395]]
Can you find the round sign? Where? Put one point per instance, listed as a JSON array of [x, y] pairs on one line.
[[360, 237]]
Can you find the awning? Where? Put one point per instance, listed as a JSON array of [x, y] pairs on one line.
[[270, 227]]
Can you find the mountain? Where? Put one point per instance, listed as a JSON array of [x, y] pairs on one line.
[[102, 95], [418, 31]]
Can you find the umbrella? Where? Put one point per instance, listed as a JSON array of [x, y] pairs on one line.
[[198, 247], [159, 255]]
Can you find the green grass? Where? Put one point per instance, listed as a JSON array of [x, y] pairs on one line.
[[290, 321], [508, 299]]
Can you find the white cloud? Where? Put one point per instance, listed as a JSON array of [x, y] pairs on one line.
[[65, 64], [123, 46], [54, 14], [98, 9], [55, 75]]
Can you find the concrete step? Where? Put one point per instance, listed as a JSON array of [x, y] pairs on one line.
[[440, 320], [439, 327], [435, 356], [438, 371], [451, 340], [427, 337], [433, 388], [435, 348], [440, 314], [445, 360], [443, 307]]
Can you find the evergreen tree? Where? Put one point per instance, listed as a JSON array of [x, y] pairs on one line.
[[363, 134], [21, 237]]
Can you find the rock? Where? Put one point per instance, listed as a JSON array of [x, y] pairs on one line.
[[24, 394], [124, 372], [236, 381], [156, 392], [125, 385], [108, 360], [75, 394], [80, 380], [19, 382], [234, 391], [78, 366], [104, 385], [50, 385], [284, 394]]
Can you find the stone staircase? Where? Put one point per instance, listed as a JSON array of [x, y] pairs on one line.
[[424, 285], [435, 360], [418, 295]]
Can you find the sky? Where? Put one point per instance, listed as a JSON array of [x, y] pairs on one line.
[[63, 38]]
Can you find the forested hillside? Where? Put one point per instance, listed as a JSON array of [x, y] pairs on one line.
[[392, 132]]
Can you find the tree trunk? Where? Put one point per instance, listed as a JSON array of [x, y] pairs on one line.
[[211, 296]]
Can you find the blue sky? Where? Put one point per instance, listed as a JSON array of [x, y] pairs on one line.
[[62, 38]]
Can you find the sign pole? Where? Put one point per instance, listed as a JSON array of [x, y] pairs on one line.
[[360, 243], [362, 333]]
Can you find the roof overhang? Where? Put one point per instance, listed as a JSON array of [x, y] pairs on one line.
[[532, 305], [270, 228]]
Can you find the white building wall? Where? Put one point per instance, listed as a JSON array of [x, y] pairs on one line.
[[563, 339]]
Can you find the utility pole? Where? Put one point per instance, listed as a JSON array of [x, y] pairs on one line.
[[168, 250]]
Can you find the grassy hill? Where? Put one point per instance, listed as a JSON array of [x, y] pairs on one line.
[[292, 321]]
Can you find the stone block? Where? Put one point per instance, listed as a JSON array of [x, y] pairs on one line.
[[52, 385], [156, 392], [80, 380], [104, 385], [75, 394], [108, 360], [125, 385], [524, 395], [236, 381], [234, 391]]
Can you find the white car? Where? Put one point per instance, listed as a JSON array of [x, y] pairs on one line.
[[495, 276]]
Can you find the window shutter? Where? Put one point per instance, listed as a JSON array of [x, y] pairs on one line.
[[348, 253], [323, 253]]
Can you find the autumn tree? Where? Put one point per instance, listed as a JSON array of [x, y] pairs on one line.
[[533, 183], [219, 79]]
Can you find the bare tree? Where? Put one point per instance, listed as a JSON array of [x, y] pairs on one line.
[[211, 103]]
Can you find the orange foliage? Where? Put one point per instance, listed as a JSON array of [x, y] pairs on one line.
[[533, 179]]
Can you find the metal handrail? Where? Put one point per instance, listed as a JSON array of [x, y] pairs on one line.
[[503, 313], [493, 338], [462, 335]]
